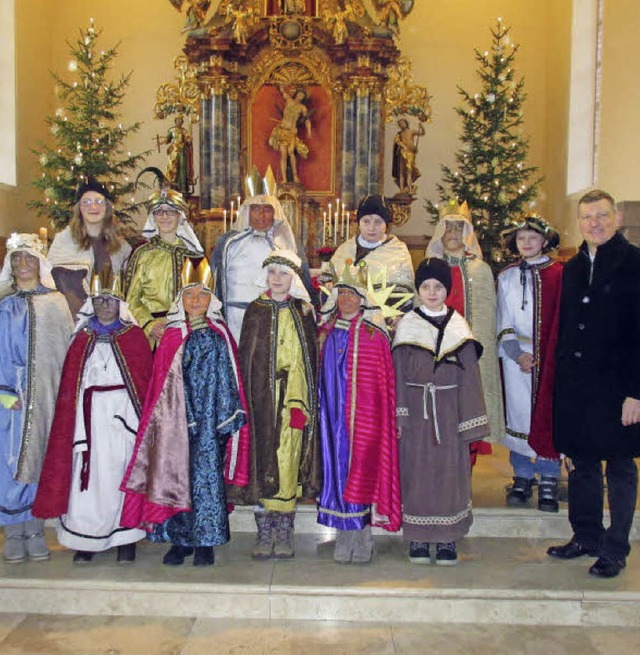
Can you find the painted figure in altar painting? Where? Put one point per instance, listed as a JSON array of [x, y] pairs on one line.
[[293, 6], [284, 136]]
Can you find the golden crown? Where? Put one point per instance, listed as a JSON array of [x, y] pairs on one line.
[[452, 208], [200, 274]]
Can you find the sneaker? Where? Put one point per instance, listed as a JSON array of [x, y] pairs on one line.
[[548, 494], [419, 552], [446, 554]]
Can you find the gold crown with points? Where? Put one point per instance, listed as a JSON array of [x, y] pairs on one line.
[[451, 208], [255, 185], [106, 282], [200, 274]]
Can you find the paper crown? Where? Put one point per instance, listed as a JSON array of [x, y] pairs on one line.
[[106, 282], [25, 241], [254, 185], [200, 274], [452, 208]]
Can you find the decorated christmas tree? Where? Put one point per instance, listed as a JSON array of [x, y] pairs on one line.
[[89, 139], [491, 172]]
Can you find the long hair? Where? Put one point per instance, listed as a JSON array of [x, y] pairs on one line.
[[109, 229]]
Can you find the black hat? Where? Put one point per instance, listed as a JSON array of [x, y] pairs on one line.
[[374, 205], [91, 184], [435, 268], [535, 223]]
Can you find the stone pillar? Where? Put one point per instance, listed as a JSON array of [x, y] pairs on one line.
[[348, 150]]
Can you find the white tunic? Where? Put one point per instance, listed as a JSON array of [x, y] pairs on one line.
[[92, 521], [516, 323]]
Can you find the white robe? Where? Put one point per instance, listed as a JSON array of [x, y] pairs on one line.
[[92, 521], [516, 323]]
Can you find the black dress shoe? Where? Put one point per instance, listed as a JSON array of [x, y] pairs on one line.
[[176, 554], [126, 554], [571, 550], [606, 567], [82, 557], [203, 556]]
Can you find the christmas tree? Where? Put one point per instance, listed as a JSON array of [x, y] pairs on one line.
[[89, 139], [491, 173]]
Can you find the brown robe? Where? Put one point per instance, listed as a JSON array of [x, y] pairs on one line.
[[435, 470]]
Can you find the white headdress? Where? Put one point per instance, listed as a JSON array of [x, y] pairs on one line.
[[289, 262], [282, 232], [452, 211], [33, 245]]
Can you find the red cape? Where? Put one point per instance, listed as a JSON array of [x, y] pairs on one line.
[[138, 510], [547, 303], [374, 475], [133, 355]]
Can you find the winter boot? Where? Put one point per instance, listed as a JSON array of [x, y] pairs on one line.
[[283, 548], [34, 540], [82, 557], [126, 554], [263, 548], [364, 546], [15, 549], [519, 492], [343, 550], [548, 494], [204, 556]]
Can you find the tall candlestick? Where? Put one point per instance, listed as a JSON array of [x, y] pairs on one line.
[[324, 227], [239, 203], [224, 221]]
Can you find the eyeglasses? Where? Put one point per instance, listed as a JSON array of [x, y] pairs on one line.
[[104, 300], [171, 213], [87, 202]]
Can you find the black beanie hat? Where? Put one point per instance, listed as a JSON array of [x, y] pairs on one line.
[[435, 268], [91, 184], [374, 205]]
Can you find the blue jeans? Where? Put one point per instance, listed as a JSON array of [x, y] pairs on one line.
[[527, 467]]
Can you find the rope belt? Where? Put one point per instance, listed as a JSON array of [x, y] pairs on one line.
[[429, 390]]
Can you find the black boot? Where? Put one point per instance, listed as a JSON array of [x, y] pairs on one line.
[[176, 554], [126, 553], [82, 557], [203, 556], [519, 492], [548, 494]]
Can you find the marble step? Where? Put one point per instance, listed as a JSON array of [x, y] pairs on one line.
[[487, 522], [498, 581]]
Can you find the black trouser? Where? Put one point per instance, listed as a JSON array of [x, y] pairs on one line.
[[586, 499]]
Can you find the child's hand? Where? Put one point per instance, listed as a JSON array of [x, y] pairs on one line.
[[399, 432], [526, 362]]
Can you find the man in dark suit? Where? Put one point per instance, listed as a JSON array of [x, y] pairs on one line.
[[597, 387]]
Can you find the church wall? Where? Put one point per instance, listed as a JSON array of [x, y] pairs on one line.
[[34, 99], [619, 161]]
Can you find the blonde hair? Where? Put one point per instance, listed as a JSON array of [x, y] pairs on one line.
[[110, 229]]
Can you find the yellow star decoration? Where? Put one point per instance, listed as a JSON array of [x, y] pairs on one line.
[[384, 292]]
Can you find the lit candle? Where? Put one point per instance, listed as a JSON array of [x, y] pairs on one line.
[[239, 203], [224, 221], [231, 214], [324, 227], [44, 236]]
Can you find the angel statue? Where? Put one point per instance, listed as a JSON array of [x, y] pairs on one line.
[[195, 14], [391, 11]]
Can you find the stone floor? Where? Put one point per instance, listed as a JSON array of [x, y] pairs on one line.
[[79, 635]]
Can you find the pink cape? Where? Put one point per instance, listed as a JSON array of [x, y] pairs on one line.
[[139, 510]]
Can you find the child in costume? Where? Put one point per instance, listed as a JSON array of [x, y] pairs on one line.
[[357, 421], [528, 314], [35, 325], [102, 390], [153, 273], [193, 434], [440, 410], [277, 355]]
